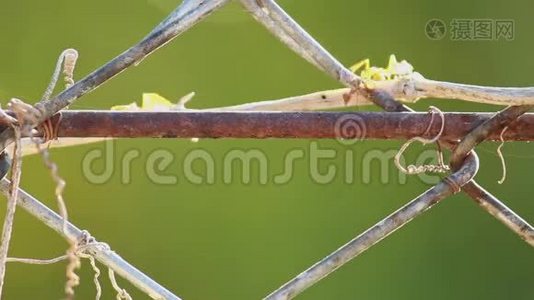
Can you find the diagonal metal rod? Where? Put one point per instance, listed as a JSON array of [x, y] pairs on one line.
[[180, 20], [74, 234], [262, 17], [483, 198], [378, 231], [495, 124], [331, 66], [490, 203], [500, 211], [360, 125], [279, 23]]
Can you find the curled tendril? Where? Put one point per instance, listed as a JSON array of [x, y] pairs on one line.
[[501, 156], [413, 169]]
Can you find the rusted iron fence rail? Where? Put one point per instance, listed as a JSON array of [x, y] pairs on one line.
[[355, 125]]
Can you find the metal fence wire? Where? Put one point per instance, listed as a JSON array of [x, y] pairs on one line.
[[458, 132]]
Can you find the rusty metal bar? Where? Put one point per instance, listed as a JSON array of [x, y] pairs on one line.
[[361, 125]]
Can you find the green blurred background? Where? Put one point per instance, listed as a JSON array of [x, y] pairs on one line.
[[241, 241]]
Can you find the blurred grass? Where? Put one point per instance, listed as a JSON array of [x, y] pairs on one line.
[[241, 241]]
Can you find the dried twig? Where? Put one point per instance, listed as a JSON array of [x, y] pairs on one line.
[[410, 89], [11, 205], [407, 90]]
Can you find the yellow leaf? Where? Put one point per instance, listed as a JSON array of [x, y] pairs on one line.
[[131, 106], [153, 101]]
